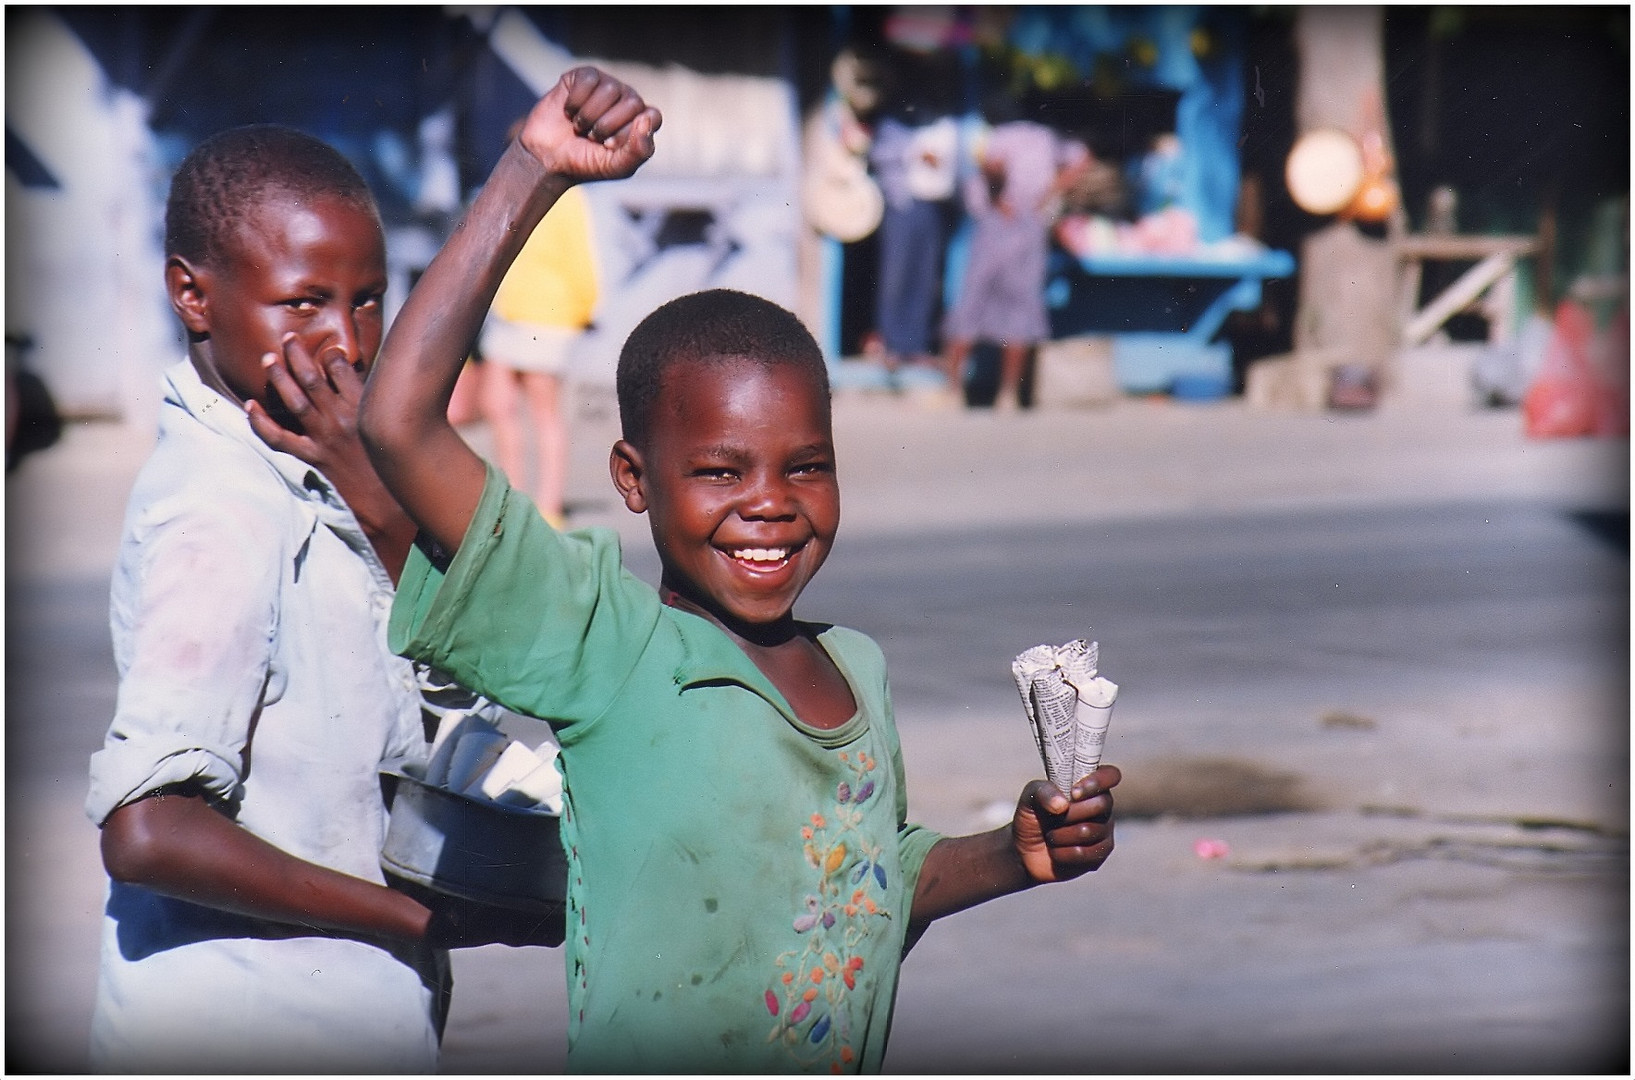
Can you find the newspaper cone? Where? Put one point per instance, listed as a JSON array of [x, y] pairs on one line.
[[1055, 704], [1051, 705], [1036, 661], [1068, 707], [1095, 711], [1096, 697]]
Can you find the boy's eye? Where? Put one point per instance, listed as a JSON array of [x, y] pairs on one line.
[[812, 468], [715, 472], [303, 305], [370, 301]]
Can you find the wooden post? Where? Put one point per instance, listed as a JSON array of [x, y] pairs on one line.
[[1348, 300]]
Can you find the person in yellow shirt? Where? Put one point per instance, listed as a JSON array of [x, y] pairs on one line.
[[542, 308]]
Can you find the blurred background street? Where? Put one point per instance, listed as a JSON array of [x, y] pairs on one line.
[[1381, 662], [1325, 441]]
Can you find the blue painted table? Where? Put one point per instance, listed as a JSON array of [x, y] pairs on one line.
[[1162, 312]]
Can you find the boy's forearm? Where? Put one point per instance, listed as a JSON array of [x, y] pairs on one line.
[[588, 127], [434, 331], [178, 845], [391, 538], [1052, 837], [964, 871], [422, 459]]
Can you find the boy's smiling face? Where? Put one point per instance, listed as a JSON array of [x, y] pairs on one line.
[[314, 268], [738, 481]]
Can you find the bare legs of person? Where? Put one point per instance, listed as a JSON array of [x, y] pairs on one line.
[[953, 368], [505, 392], [1013, 360], [465, 405]]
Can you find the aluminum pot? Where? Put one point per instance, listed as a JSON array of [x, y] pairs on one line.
[[472, 848]]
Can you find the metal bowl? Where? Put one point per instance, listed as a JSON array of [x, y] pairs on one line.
[[472, 848]]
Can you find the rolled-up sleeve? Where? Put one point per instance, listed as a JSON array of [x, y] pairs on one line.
[[545, 623], [194, 614]]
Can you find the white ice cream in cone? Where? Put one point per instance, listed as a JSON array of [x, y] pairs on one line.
[[524, 777]]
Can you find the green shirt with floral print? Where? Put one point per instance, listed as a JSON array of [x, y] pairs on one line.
[[739, 882]]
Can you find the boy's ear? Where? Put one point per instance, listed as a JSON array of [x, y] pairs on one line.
[[186, 288], [625, 463]]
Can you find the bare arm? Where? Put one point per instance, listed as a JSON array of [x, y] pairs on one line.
[[1065, 178], [1049, 839], [180, 846], [589, 127]]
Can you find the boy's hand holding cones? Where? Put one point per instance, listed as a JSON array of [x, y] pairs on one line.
[[1064, 825]]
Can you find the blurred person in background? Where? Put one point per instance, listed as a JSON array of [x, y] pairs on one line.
[[32, 421], [913, 157], [1023, 167]]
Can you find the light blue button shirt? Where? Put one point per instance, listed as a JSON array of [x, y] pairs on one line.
[[249, 621]]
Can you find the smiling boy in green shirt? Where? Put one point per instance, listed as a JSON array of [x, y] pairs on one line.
[[743, 879]]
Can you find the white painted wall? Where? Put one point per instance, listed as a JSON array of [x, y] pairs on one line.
[[84, 263]]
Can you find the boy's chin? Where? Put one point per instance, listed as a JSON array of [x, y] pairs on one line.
[[763, 627]]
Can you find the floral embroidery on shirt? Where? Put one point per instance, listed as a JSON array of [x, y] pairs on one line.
[[807, 1000]]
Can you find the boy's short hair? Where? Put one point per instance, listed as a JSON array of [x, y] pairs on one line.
[[226, 175], [714, 326]]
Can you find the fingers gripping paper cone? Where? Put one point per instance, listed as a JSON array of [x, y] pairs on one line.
[[1069, 707]]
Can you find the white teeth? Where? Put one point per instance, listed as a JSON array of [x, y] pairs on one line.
[[766, 555]]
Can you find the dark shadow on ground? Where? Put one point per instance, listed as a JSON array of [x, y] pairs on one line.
[[1611, 527]]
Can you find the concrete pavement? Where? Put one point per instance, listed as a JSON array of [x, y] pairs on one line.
[[1465, 855]]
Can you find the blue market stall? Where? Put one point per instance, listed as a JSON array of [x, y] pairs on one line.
[[1160, 92], [1162, 303], [1163, 312]]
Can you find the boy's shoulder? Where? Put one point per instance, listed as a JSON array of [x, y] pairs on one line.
[[855, 646], [197, 473], [191, 454]]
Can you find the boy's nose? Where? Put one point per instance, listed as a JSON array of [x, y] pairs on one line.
[[342, 336], [768, 497]]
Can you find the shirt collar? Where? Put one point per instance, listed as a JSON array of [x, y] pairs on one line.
[[189, 393], [306, 484], [709, 656]]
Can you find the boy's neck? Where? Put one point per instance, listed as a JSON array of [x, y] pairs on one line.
[[789, 655], [750, 637], [204, 363]]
